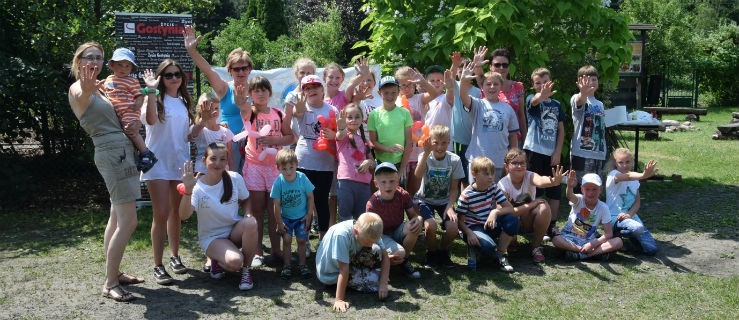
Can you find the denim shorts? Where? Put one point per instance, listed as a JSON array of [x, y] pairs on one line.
[[295, 227]]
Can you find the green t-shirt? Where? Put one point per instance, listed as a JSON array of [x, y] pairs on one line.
[[390, 128]]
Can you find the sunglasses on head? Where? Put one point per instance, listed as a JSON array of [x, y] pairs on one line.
[[170, 75], [501, 65], [241, 69]]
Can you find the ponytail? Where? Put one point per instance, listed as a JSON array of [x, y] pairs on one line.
[[228, 187]]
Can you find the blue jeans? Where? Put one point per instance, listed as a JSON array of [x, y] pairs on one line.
[[634, 229], [506, 223]]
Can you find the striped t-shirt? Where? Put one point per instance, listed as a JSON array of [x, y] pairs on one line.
[[476, 205]]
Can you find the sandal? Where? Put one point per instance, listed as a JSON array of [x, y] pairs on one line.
[[117, 293], [126, 279]]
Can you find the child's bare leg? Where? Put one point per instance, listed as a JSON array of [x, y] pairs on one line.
[[132, 131], [258, 203], [611, 245], [430, 227], [274, 237], [542, 217], [554, 209], [451, 233], [301, 250], [333, 208], [287, 250], [504, 241], [409, 241], [562, 243]]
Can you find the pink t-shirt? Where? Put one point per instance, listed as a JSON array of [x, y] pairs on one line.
[[253, 148], [513, 97], [350, 159], [338, 101]]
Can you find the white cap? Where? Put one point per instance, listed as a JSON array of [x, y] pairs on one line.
[[592, 178]]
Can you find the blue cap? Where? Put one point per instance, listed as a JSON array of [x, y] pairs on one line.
[[386, 80], [121, 54], [386, 166]]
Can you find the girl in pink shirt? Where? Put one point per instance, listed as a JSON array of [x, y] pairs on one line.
[[260, 170], [355, 163]]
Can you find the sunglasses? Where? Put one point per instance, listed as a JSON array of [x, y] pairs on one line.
[[92, 58], [501, 65], [170, 75], [241, 69]]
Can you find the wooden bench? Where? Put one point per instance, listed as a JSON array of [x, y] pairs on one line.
[[662, 110]]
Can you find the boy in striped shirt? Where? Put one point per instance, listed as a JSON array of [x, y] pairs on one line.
[[485, 214]]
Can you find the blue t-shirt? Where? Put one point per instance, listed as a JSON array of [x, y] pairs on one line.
[[544, 122], [230, 112], [461, 123], [293, 195]]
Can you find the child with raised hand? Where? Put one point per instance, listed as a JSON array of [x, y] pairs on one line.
[[127, 97], [588, 147], [302, 67], [365, 97], [439, 110], [579, 237], [494, 125], [408, 78], [333, 76], [485, 214], [352, 255], [439, 171], [355, 163], [545, 137], [206, 129], [216, 196], [259, 168], [392, 203], [624, 201], [292, 194], [317, 165], [520, 187], [390, 128]]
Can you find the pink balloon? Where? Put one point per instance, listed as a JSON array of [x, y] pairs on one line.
[[265, 130], [266, 152]]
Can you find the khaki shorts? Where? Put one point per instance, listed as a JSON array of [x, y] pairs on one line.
[[116, 163]]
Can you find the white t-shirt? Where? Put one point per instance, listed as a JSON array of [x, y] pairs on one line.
[[310, 130], [414, 102], [620, 196], [513, 194], [492, 123], [367, 105], [216, 219], [439, 112], [434, 188], [168, 140], [589, 138], [583, 222], [207, 137]]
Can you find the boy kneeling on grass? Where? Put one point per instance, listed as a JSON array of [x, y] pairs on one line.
[[352, 254], [579, 237]]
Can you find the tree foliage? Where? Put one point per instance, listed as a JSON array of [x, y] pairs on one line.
[[421, 33], [270, 15]]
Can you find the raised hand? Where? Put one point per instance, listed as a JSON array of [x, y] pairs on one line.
[[242, 98], [150, 80], [207, 111], [448, 79], [88, 78], [583, 83], [191, 41], [571, 178], [188, 177], [546, 90], [479, 56], [556, 177], [456, 58], [650, 169], [416, 76], [362, 67], [468, 71]]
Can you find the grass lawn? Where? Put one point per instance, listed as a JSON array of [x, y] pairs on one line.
[[51, 263]]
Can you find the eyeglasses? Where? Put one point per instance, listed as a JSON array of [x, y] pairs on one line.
[[501, 65], [170, 75], [518, 164], [92, 58], [241, 69]]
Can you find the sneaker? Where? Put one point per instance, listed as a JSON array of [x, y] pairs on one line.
[[443, 259], [503, 261], [304, 271], [552, 230], [572, 256], [605, 257], [175, 262], [247, 281], [257, 261], [538, 254], [161, 275], [146, 161], [410, 270], [431, 258], [286, 273], [216, 272]]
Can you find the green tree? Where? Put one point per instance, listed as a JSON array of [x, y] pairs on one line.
[[270, 14], [425, 32]]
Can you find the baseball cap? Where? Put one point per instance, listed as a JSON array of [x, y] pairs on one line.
[[592, 178], [386, 80], [121, 54], [433, 68], [386, 166], [310, 79]]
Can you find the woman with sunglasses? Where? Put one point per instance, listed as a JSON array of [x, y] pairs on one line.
[[520, 186], [512, 92], [239, 65], [167, 124], [114, 159]]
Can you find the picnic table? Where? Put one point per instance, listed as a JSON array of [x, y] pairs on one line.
[[636, 128]]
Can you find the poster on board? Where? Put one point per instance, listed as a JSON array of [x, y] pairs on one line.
[[153, 38]]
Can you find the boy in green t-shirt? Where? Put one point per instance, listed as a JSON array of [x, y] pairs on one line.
[[390, 128]]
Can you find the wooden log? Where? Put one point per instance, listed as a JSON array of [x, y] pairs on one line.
[[728, 128], [661, 110]]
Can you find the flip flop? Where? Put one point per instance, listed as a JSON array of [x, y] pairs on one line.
[[125, 279], [117, 293]]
